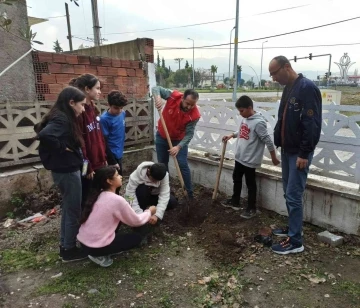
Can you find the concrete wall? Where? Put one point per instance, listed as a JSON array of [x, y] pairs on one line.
[[139, 50], [327, 203], [19, 82], [36, 178]]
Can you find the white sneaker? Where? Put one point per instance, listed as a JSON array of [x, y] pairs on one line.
[[104, 261]]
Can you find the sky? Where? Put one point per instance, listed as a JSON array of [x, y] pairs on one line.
[[257, 20]]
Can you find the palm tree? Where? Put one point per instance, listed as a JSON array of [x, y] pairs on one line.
[[213, 70]]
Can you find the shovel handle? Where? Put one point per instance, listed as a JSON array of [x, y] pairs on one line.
[[219, 170]]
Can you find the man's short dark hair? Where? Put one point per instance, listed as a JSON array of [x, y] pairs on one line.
[[282, 60], [191, 92], [116, 98], [158, 171], [244, 102]]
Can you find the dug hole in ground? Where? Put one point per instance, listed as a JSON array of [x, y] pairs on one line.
[[204, 257]]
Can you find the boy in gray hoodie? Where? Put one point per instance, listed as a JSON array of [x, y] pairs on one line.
[[250, 144]]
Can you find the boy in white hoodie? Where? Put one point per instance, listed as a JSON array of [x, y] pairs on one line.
[[149, 185], [250, 144]]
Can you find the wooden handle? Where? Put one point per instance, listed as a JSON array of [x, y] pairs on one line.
[[219, 170], [174, 157]]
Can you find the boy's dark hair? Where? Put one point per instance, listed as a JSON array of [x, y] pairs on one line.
[[244, 102], [158, 171], [116, 98], [191, 92]]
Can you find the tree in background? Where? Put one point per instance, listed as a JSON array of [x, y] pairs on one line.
[[57, 48], [213, 71], [187, 64]]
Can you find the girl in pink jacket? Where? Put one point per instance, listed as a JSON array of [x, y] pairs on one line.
[[103, 212]]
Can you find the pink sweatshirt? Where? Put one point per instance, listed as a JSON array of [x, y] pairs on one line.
[[109, 210]]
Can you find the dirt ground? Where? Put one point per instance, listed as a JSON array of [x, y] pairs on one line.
[[204, 257]]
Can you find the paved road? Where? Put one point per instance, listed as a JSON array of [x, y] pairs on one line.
[[229, 95]]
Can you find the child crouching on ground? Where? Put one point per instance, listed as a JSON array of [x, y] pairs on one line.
[[104, 211]]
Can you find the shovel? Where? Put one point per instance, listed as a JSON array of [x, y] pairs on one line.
[[219, 171]]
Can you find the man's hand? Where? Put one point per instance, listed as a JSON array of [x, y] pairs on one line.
[[174, 150], [158, 102], [153, 220], [301, 163], [227, 138], [90, 176]]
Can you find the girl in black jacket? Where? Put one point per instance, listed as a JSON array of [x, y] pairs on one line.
[[60, 151]]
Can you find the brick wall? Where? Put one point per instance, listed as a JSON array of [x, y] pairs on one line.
[[53, 71]]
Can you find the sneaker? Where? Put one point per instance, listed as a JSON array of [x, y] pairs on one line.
[[73, 254], [247, 214], [285, 247], [283, 232], [230, 203], [61, 251], [104, 261]]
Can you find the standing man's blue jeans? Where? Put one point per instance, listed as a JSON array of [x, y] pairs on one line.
[[162, 149], [294, 182]]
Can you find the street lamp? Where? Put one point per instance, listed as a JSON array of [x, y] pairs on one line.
[[255, 73], [193, 68], [230, 56], [262, 50]]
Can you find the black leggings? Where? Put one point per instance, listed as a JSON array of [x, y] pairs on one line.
[[121, 242]]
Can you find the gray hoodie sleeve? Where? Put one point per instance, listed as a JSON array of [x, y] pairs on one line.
[[262, 132]]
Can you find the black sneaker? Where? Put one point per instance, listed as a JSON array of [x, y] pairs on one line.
[[61, 251], [286, 247], [247, 214], [230, 203], [73, 254], [283, 232]]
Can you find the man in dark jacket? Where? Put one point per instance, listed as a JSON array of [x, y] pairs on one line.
[[297, 132]]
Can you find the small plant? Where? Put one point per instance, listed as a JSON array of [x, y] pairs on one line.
[[10, 215], [16, 200]]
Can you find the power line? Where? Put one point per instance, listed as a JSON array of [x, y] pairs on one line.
[[271, 36], [270, 47], [212, 22]]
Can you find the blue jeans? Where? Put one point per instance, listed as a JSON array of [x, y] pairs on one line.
[[70, 188], [162, 149], [294, 182]]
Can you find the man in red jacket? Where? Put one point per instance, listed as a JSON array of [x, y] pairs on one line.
[[181, 115]]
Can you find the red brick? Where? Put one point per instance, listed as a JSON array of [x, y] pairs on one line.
[[105, 61], [90, 69], [62, 78], [118, 81], [125, 63], [67, 69], [95, 60], [51, 97], [83, 59], [54, 68], [143, 81], [55, 88], [112, 71], [79, 69], [131, 90], [45, 56], [72, 59], [122, 72], [139, 72], [130, 72], [48, 78], [59, 58], [102, 70], [116, 62], [109, 80], [149, 50]]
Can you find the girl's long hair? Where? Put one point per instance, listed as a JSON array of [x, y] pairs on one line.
[[83, 81], [62, 105], [99, 185]]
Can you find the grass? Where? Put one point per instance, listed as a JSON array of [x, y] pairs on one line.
[[349, 289]]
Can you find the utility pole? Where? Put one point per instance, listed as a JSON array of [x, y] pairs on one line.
[[69, 37], [236, 50], [96, 26], [262, 52], [193, 68], [228, 85], [178, 60]]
